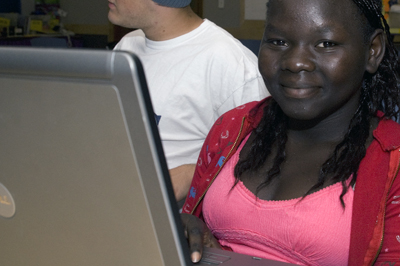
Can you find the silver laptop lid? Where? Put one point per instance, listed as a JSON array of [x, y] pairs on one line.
[[83, 177]]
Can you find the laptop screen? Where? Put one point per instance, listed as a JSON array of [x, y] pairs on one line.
[[83, 177]]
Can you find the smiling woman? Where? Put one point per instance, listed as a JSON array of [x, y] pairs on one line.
[[304, 163]]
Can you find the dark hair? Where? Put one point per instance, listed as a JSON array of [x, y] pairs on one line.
[[379, 92]]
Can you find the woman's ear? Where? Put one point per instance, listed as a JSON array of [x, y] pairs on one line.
[[376, 50]]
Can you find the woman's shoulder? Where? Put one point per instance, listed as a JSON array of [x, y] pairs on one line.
[[251, 109], [232, 119], [388, 134], [234, 123]]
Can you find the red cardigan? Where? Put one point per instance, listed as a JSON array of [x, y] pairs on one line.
[[374, 215]]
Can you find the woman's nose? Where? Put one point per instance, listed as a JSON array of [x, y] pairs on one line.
[[298, 58]]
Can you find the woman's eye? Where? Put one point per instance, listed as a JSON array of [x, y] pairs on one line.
[[278, 42], [326, 44]]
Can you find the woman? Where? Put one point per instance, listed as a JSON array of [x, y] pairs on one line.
[[308, 176]]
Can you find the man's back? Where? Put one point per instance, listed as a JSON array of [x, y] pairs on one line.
[[193, 79]]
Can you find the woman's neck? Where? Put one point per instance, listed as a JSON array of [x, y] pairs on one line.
[[327, 129]]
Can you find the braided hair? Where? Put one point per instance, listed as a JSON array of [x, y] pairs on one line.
[[380, 91]]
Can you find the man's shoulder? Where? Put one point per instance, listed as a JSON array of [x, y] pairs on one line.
[[132, 38], [135, 33], [218, 39]]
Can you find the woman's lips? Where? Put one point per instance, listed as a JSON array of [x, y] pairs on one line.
[[300, 92]]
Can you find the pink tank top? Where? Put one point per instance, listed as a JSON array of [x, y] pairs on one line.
[[314, 231]]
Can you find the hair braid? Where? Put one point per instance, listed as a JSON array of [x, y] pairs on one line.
[[383, 86], [271, 130], [348, 154]]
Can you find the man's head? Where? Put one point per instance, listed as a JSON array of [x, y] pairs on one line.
[[173, 3]]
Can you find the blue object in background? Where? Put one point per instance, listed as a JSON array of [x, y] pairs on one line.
[[10, 6], [253, 45], [49, 42]]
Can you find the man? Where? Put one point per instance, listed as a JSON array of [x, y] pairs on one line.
[[195, 70]]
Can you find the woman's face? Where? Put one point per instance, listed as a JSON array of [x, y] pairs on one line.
[[313, 57]]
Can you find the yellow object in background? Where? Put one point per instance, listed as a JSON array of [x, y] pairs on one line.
[[53, 23], [36, 25], [386, 8], [4, 23], [395, 30]]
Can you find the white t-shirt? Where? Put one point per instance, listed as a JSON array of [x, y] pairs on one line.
[[193, 79]]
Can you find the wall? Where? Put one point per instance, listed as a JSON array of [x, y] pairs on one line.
[[255, 9], [27, 7], [244, 19], [230, 16], [86, 16]]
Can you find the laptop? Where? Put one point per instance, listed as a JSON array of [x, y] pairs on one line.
[[83, 177]]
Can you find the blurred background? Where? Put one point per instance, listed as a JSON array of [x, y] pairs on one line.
[[84, 24]]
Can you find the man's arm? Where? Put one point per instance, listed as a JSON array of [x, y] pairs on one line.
[[181, 178]]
